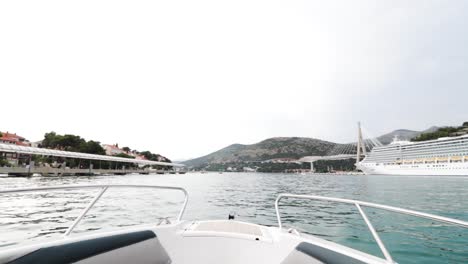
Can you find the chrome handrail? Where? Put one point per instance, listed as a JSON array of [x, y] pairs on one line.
[[103, 188], [358, 204]]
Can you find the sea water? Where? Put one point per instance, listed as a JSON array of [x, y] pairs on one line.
[[250, 196]]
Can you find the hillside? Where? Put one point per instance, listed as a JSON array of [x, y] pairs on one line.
[[403, 134], [238, 155], [443, 132], [280, 147]]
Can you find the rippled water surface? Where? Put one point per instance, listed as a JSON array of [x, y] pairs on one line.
[[46, 215]]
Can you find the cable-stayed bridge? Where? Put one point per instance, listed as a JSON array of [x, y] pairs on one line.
[[355, 150]]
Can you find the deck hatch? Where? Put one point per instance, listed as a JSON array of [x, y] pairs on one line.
[[229, 227]]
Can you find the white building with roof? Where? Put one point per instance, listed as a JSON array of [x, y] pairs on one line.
[[113, 150]]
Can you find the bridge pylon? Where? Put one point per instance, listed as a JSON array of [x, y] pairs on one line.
[[360, 144]]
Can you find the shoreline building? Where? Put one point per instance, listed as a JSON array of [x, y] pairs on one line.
[[112, 150], [14, 139]]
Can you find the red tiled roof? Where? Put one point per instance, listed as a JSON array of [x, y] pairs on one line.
[[13, 138], [9, 139], [19, 143], [11, 135], [14, 141]]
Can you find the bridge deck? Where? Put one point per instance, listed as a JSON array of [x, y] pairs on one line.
[[333, 157]]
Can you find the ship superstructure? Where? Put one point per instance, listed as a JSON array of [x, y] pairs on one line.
[[443, 156]]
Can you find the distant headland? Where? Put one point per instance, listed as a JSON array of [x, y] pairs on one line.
[[282, 154]]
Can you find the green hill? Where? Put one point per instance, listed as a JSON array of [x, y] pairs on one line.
[[273, 148], [255, 155], [442, 132]]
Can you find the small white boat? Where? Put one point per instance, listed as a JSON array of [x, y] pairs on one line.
[[210, 241]]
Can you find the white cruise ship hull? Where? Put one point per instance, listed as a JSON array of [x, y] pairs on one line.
[[448, 169], [444, 156]]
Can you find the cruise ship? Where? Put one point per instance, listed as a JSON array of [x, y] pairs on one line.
[[443, 156]]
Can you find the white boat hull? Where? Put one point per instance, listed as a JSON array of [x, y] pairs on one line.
[[188, 242]]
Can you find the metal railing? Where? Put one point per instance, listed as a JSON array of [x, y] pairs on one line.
[[358, 204], [103, 189]]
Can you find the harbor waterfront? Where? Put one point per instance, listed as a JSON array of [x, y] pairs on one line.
[[250, 197]]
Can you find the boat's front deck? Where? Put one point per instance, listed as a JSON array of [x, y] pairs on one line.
[[189, 242], [224, 242]]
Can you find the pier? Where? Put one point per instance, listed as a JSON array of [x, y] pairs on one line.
[[49, 171], [89, 164]]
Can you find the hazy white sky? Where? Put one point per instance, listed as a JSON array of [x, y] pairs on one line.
[[185, 78]]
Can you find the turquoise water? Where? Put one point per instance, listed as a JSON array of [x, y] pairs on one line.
[[39, 216]]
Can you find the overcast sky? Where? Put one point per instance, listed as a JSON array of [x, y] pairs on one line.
[[185, 78]]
